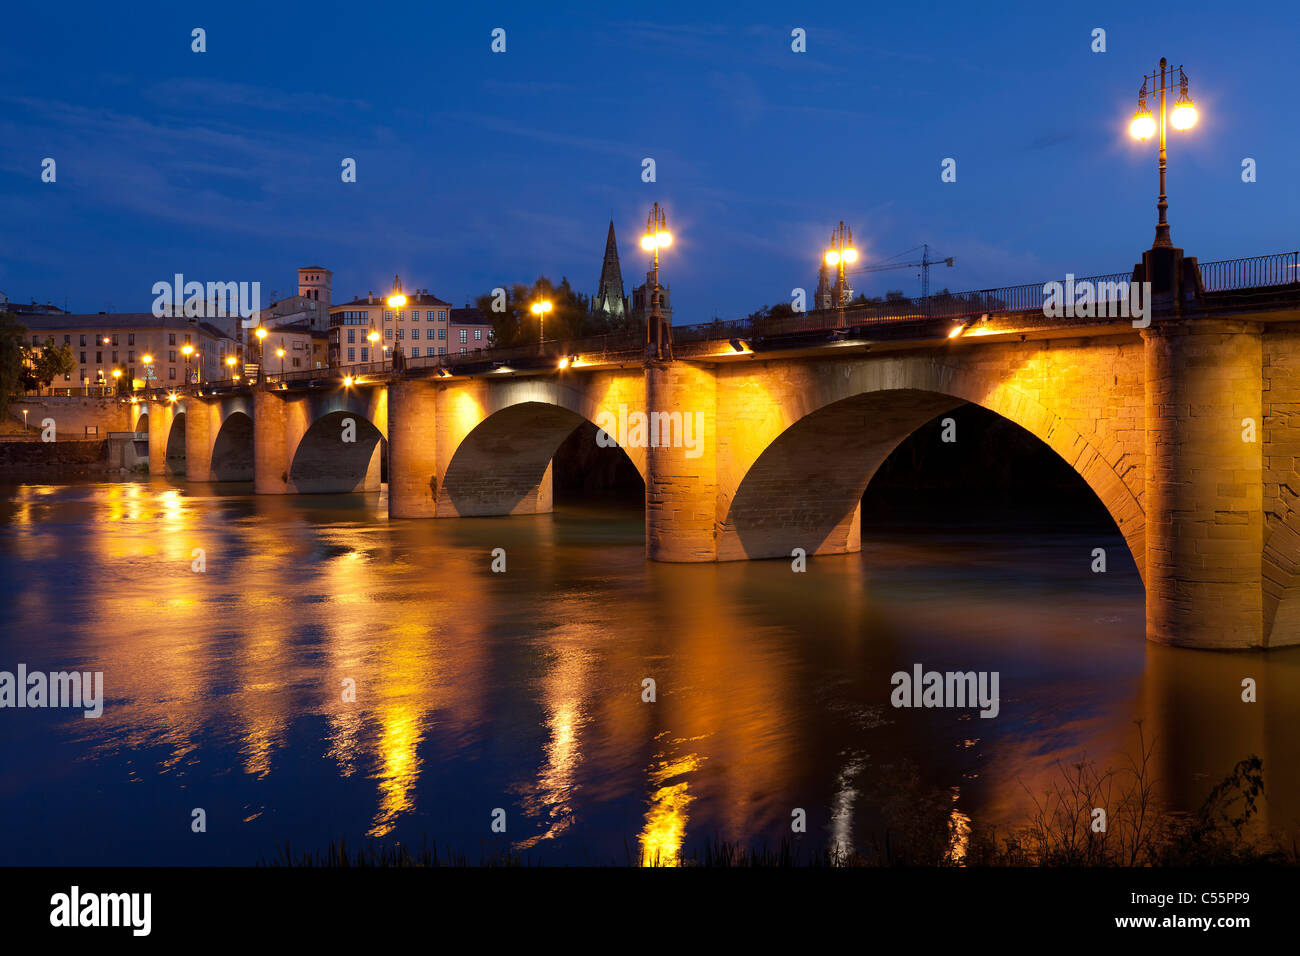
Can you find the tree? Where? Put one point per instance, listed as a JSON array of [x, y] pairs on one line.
[[11, 359], [515, 324], [42, 365]]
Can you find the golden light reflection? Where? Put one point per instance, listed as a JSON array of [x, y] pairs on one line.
[[565, 690], [665, 821]]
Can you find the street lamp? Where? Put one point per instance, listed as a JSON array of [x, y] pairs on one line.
[[187, 350], [147, 359], [24, 419], [372, 337], [279, 353], [261, 352], [840, 254], [540, 309], [657, 236], [231, 362], [1144, 125]]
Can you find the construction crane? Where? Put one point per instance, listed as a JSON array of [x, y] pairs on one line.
[[923, 265]]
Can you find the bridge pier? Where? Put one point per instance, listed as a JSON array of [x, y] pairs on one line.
[[412, 449], [202, 422], [271, 443], [681, 488], [1204, 483]]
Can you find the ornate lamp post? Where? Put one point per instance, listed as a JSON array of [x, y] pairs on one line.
[[231, 362], [840, 254], [658, 334], [396, 300], [540, 309], [187, 350], [279, 353], [1144, 125]]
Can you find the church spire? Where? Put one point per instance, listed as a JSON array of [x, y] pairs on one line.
[[609, 298]]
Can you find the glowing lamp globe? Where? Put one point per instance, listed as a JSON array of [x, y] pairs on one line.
[[1143, 125], [1184, 114]]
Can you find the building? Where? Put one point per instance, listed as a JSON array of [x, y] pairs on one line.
[[102, 342], [471, 331], [304, 347], [422, 328], [35, 308], [610, 307], [609, 303], [4, 302]]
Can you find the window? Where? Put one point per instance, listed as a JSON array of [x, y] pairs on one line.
[[442, 315], [130, 338], [415, 351], [297, 362], [352, 355], [36, 340], [442, 333], [463, 351], [478, 334], [388, 316], [114, 358], [99, 358], [365, 353], [130, 357], [171, 372], [352, 335], [171, 356], [67, 340], [415, 316], [83, 357], [441, 350], [464, 335], [388, 333], [187, 338], [115, 340], [130, 373], [401, 316], [83, 340], [400, 333], [171, 339]]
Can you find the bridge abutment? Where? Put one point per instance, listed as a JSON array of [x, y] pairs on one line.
[[1204, 484], [202, 422]]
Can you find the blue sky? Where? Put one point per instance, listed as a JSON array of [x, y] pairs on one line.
[[478, 169]]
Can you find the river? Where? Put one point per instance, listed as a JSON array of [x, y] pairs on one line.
[[522, 691]]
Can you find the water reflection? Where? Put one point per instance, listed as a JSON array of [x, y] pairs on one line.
[[229, 687]]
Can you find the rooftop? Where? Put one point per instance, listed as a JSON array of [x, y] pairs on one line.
[[119, 321]]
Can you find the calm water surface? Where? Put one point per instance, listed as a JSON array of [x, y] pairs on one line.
[[522, 690]]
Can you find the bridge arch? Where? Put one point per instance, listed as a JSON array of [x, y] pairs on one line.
[[232, 450], [801, 471], [142, 422], [175, 445], [339, 452], [502, 466]]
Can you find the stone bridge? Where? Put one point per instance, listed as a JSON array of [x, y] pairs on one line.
[[1187, 431]]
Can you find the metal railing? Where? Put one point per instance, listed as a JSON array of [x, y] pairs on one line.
[[1226, 275], [1255, 272]]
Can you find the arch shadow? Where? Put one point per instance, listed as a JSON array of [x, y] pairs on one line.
[[175, 457], [805, 489], [335, 458], [232, 452], [503, 466]]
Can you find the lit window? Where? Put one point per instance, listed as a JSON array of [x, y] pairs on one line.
[[478, 333], [464, 335]]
